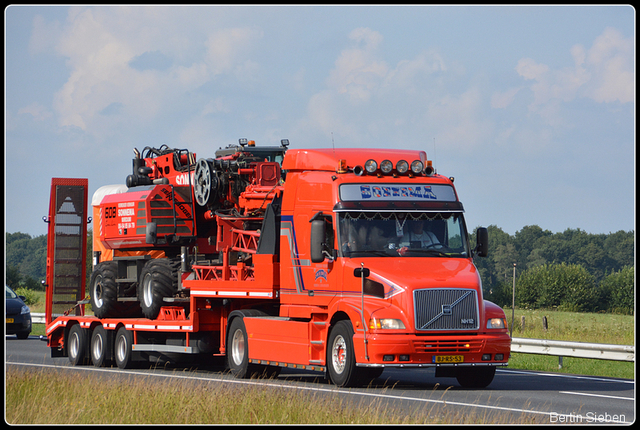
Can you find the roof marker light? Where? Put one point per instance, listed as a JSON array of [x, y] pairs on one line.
[[386, 166], [371, 166], [402, 166], [417, 166]]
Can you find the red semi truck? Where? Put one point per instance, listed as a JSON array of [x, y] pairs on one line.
[[342, 261]]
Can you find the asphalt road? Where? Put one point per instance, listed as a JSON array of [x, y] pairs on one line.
[[513, 396]]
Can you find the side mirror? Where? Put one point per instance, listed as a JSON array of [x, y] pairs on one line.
[[482, 237], [318, 233], [359, 272]]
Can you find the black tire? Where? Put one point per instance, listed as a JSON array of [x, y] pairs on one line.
[[77, 345], [475, 377], [341, 362], [100, 347], [23, 334], [159, 279], [104, 290], [123, 348], [238, 351]]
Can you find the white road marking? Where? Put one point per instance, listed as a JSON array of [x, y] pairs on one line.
[[597, 395]]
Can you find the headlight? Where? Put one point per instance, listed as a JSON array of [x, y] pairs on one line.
[[24, 310], [496, 323], [385, 323]]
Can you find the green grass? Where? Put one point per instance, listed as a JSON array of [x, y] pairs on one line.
[[574, 327], [46, 397]]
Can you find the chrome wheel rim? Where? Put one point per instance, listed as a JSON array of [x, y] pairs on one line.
[[339, 354]]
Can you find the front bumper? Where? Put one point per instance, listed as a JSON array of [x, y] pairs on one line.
[[402, 350], [19, 323]]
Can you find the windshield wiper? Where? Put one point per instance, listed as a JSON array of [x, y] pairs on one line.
[[430, 252], [374, 252]]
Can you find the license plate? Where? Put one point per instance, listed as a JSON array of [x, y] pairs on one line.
[[9, 320], [441, 359]]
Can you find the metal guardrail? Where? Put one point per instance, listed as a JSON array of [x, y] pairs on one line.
[[601, 351], [558, 348], [37, 318]]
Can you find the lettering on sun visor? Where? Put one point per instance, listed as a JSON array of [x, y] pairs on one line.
[[393, 192]]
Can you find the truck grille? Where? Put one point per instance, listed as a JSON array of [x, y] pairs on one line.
[[446, 309]]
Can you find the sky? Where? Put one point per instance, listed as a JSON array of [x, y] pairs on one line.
[[531, 109]]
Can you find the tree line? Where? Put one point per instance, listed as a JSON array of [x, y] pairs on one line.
[[572, 270]]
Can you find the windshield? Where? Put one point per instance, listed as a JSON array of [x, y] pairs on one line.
[[403, 234], [10, 293]]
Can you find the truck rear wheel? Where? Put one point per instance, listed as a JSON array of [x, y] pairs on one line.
[[157, 281], [475, 377], [341, 363], [77, 345], [238, 351], [100, 347], [123, 348], [104, 290]]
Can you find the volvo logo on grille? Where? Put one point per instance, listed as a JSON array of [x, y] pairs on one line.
[[446, 309]]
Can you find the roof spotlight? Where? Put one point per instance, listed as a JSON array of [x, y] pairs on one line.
[[402, 166], [371, 166], [417, 166], [386, 166]]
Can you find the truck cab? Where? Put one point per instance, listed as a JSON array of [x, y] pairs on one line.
[[378, 241]]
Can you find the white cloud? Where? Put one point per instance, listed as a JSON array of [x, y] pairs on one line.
[[358, 72], [603, 73], [611, 60], [100, 44], [37, 111], [501, 100], [368, 101], [227, 48]]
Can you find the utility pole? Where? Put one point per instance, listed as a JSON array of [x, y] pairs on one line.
[[513, 300]]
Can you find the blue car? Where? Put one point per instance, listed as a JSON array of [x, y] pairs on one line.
[[18, 315]]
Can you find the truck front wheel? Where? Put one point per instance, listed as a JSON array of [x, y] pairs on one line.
[[475, 377], [341, 363]]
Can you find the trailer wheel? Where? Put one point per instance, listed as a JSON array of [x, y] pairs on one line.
[[341, 363], [475, 377], [104, 290], [123, 349], [100, 347], [77, 345], [157, 281]]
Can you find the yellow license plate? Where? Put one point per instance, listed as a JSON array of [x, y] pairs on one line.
[[442, 359], [9, 320]]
